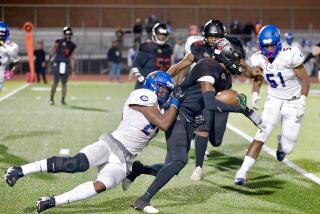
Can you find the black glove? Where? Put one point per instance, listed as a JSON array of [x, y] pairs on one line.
[[178, 93]]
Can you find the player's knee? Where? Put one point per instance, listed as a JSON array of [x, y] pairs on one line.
[[287, 144], [215, 142], [78, 163], [99, 186]]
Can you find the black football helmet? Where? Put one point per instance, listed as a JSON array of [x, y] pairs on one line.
[[159, 29], [67, 32], [213, 28]]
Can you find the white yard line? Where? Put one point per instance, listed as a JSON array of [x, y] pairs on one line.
[[14, 92], [273, 153]]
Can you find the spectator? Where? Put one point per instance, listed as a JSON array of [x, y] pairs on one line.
[[137, 30], [119, 37], [150, 21], [132, 52], [178, 51], [247, 31], [114, 58], [40, 62], [235, 27]]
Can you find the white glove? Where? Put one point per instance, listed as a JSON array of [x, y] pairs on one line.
[[255, 99], [137, 74], [301, 106]]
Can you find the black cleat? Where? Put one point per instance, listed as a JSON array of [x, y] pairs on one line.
[[63, 102], [45, 203], [281, 155], [144, 206], [12, 175]]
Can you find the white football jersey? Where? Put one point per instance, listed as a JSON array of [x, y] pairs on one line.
[[190, 41], [8, 52], [135, 131], [283, 83]]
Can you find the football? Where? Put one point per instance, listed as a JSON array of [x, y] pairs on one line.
[[228, 97]]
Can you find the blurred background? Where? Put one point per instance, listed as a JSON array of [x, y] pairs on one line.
[[97, 23]]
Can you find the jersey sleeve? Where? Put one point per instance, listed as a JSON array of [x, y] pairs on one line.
[[142, 97], [13, 51], [254, 60], [295, 58], [190, 41]]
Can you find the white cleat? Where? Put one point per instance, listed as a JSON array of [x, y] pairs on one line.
[[240, 179], [150, 209], [197, 174], [126, 184]]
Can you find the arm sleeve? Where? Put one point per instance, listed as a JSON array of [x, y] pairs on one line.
[[212, 104], [308, 57], [140, 60]]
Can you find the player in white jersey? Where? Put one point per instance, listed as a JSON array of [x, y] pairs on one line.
[[290, 42], [288, 86], [113, 153], [8, 53]]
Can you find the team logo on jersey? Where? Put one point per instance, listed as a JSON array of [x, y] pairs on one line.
[[144, 98], [159, 51], [223, 76]]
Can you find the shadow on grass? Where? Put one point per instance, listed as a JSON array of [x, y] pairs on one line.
[[82, 108], [25, 134], [180, 196]]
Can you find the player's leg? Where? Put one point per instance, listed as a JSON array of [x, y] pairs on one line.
[[56, 79], [270, 117], [64, 81], [1, 79], [290, 130], [220, 125], [178, 138]]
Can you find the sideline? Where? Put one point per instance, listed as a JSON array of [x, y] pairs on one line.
[[272, 152], [14, 92]]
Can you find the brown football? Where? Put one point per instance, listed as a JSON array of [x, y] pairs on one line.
[[228, 97]]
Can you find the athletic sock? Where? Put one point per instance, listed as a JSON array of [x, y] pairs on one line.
[[39, 166], [83, 191], [247, 164], [201, 144]]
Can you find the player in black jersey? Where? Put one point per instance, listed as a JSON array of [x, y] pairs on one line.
[[153, 55], [205, 79], [63, 63]]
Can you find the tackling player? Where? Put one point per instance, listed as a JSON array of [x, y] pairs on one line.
[[113, 153], [8, 53], [287, 91], [153, 55], [63, 63]]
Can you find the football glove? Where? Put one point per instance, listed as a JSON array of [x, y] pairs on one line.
[[178, 93], [255, 99], [301, 103], [199, 119], [137, 74], [242, 102]]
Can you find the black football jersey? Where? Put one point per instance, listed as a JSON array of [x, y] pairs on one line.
[[64, 50]]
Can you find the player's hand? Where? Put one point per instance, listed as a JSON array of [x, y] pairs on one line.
[[242, 102], [255, 100], [137, 74], [301, 107], [178, 93], [256, 71]]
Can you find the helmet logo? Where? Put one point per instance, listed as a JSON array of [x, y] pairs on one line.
[[267, 41], [144, 98]]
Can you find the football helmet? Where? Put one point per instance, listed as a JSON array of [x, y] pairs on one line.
[[4, 33], [156, 82], [157, 30], [289, 37], [269, 35], [214, 28], [67, 32]]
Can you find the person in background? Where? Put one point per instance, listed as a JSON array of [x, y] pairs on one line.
[[178, 51], [114, 58], [132, 53], [63, 63], [40, 62], [119, 37], [137, 30], [289, 40]]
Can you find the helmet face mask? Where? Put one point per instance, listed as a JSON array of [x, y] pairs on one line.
[[4, 33], [160, 34], [213, 30], [161, 84], [268, 37]]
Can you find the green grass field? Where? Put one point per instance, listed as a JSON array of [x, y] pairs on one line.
[[32, 130]]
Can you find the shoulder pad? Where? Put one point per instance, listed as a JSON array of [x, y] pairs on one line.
[[292, 56], [12, 50], [143, 97], [148, 46]]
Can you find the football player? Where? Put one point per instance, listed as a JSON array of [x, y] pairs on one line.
[[153, 55], [113, 153], [63, 63], [288, 86], [205, 79], [8, 54]]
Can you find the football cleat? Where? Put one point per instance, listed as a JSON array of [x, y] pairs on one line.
[[197, 174], [144, 206], [51, 102], [281, 155], [45, 203], [126, 184], [63, 102], [240, 181], [12, 175]]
